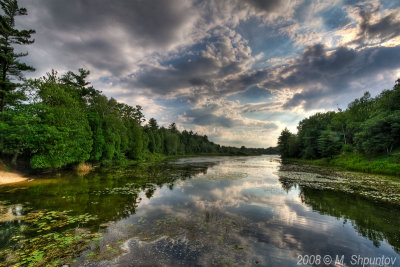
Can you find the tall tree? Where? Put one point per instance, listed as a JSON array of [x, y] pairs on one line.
[[10, 67], [172, 127], [287, 144], [78, 81], [328, 143], [153, 124]]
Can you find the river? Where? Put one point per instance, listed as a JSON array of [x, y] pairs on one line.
[[201, 211]]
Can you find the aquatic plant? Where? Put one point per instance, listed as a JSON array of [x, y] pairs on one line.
[[51, 238]]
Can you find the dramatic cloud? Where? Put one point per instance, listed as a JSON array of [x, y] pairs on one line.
[[159, 23], [228, 54], [325, 74], [111, 36], [238, 71], [386, 28]]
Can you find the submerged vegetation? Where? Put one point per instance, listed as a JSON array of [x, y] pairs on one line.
[[364, 137], [369, 186], [58, 219], [49, 237]]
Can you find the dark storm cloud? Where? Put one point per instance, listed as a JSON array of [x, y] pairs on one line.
[[383, 30], [206, 72], [204, 117], [243, 81], [154, 22], [204, 76], [269, 5], [81, 30], [100, 53], [211, 119], [323, 75], [109, 36], [161, 80], [252, 95]]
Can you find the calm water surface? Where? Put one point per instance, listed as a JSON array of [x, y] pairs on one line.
[[208, 211]]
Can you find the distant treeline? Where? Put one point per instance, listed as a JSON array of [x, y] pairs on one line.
[[369, 126]]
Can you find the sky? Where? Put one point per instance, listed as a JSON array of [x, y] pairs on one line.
[[236, 71]]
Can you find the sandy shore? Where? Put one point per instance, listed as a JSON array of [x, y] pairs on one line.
[[11, 177]]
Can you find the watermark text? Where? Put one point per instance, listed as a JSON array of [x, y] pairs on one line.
[[340, 260]]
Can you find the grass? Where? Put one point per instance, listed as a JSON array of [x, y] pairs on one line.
[[378, 164], [83, 168]]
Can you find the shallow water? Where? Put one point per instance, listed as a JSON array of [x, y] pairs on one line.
[[202, 212]]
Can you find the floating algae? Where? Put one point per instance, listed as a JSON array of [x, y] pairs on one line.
[[375, 187], [47, 239]]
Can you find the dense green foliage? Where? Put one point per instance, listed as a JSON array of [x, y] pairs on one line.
[[369, 127]]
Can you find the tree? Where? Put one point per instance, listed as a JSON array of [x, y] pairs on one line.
[[159, 143], [19, 130], [153, 124], [135, 133], [339, 123], [10, 67], [389, 100], [357, 112], [152, 142], [309, 131], [328, 143], [115, 131], [380, 133], [172, 128], [78, 81], [96, 123], [287, 144], [171, 143], [371, 125], [64, 136]]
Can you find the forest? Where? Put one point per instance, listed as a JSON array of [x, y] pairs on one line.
[[365, 136], [59, 120]]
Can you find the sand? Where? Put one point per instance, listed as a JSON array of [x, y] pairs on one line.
[[11, 177]]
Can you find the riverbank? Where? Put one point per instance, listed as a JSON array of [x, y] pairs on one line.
[[350, 161], [7, 177], [374, 187]]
